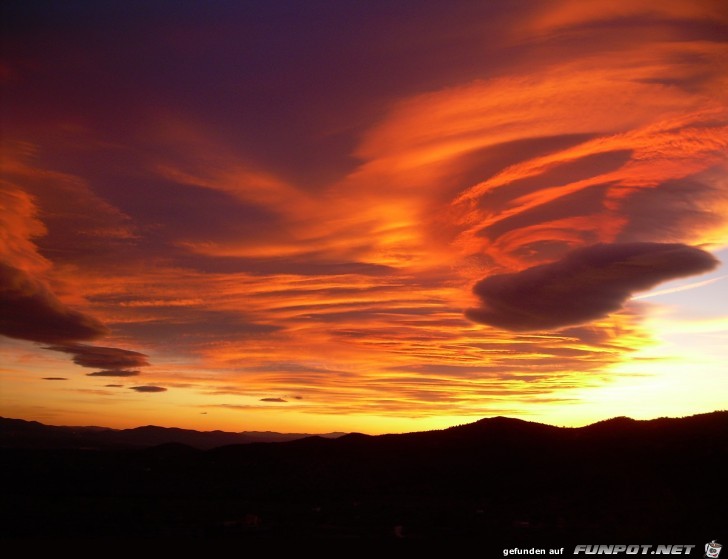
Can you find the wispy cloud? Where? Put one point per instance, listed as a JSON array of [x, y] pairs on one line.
[[678, 289]]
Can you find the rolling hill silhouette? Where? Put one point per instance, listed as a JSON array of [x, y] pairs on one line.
[[32, 434], [497, 480]]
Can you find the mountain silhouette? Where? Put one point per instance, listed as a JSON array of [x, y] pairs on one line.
[[32, 434], [496, 480]]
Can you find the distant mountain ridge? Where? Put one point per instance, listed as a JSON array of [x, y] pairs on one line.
[[19, 433]]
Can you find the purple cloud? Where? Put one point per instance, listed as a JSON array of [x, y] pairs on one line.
[[148, 388], [30, 311], [585, 285], [99, 357]]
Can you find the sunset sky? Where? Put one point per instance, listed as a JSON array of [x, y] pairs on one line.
[[362, 215]]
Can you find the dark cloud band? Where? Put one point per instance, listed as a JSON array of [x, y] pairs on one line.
[[99, 357], [114, 373], [148, 388], [30, 311], [585, 285]]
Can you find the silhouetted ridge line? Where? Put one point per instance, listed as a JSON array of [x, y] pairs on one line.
[[18, 432], [499, 429], [497, 479]]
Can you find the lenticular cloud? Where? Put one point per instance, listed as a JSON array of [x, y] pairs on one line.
[[585, 285]]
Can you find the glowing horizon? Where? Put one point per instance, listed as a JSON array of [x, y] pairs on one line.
[[338, 217]]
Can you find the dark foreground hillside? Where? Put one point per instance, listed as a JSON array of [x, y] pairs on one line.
[[499, 479]]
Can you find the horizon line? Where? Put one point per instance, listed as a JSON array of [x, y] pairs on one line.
[[343, 433]]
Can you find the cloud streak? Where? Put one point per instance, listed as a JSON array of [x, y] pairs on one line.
[[102, 357], [113, 373], [148, 388]]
